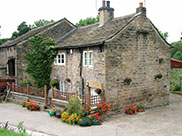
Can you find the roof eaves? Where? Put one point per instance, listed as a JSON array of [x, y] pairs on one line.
[[160, 34], [81, 46]]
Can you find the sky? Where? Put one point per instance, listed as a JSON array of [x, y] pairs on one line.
[[166, 15]]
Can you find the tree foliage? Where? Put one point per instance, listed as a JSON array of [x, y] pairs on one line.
[[4, 40], [164, 35], [176, 51], [39, 59], [40, 23], [22, 29], [87, 21]]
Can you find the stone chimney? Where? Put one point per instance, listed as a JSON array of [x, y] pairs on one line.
[[141, 9], [105, 12]]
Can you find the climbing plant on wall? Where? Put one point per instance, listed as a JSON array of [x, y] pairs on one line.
[[40, 57]]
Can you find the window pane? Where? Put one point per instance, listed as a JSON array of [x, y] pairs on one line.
[[65, 86], [91, 58], [62, 58], [85, 58], [61, 85], [59, 58]]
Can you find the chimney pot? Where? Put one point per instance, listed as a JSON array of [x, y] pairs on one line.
[[108, 4], [103, 3], [141, 9], [141, 4]]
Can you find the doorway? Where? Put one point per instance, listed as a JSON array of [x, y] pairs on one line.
[[11, 67]]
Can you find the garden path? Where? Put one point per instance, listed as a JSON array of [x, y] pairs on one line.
[[160, 121]]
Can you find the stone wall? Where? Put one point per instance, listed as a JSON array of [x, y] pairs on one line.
[[72, 69], [5, 55], [55, 32], [140, 54]]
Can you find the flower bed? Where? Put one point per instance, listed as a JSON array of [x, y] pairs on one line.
[[133, 109], [32, 106], [76, 113]]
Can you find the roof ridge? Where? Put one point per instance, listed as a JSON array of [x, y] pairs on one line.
[[134, 16], [33, 31]]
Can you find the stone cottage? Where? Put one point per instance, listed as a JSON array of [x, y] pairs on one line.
[[127, 55], [12, 53]]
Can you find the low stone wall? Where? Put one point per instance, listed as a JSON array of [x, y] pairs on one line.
[[19, 98]]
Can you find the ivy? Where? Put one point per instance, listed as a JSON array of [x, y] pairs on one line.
[[40, 57]]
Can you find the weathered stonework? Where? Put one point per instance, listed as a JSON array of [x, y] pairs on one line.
[[6, 54], [130, 59], [72, 69], [137, 55], [17, 49]]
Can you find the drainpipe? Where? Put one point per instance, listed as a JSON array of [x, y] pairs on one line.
[[81, 69]]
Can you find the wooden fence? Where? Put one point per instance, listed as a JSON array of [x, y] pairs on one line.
[[86, 98], [28, 90], [60, 95]]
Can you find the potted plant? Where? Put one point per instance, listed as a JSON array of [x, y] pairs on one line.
[[131, 109], [140, 108]]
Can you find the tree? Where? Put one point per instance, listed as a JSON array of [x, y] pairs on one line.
[[4, 40], [39, 60], [176, 46], [22, 29], [178, 55], [87, 21], [164, 35], [40, 23]]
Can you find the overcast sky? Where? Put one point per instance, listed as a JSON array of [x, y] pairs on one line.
[[165, 14]]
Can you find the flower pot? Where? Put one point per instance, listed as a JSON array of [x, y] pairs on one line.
[[58, 115], [95, 122], [140, 110], [50, 113]]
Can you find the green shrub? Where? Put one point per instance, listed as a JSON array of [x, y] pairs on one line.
[[175, 79], [54, 83], [84, 121], [74, 106], [4, 132]]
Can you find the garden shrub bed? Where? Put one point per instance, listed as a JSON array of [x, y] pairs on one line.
[[76, 113], [32, 106]]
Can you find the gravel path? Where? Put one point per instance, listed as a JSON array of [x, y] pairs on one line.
[[161, 121]]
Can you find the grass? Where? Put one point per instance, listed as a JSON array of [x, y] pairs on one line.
[[175, 79], [4, 132]]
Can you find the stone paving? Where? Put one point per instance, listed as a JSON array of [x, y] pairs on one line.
[[160, 121]]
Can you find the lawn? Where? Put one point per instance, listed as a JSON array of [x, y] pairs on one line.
[[4, 132]]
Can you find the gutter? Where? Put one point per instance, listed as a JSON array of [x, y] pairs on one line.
[[80, 46]]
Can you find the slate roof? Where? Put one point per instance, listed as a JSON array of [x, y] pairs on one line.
[[31, 33], [93, 34]]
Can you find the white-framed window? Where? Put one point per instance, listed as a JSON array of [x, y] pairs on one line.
[[85, 58], [63, 86], [60, 59], [79, 89], [88, 58]]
